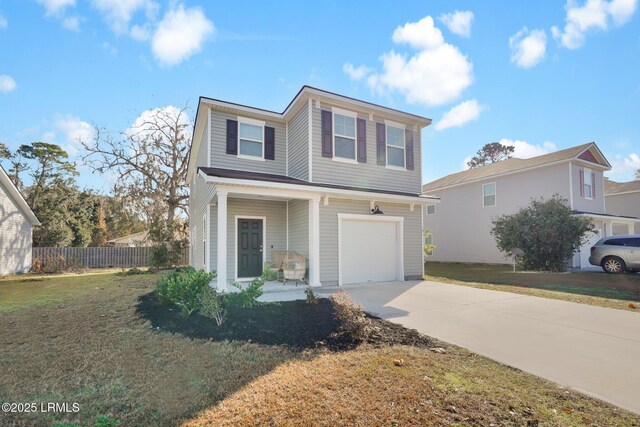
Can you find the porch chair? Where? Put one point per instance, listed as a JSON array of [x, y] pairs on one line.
[[294, 267]]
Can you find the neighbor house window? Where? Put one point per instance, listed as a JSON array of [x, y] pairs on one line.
[[344, 136], [428, 245], [251, 138], [395, 146], [431, 209], [587, 184], [489, 194]]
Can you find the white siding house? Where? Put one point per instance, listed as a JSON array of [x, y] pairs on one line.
[[16, 222]]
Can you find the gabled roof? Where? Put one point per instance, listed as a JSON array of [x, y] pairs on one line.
[[613, 187], [589, 153], [17, 197], [305, 93]]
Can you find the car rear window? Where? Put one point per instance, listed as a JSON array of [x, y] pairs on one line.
[[619, 242]]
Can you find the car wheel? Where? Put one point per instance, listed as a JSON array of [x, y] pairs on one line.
[[613, 265]]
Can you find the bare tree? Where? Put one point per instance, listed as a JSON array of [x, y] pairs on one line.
[[149, 161]]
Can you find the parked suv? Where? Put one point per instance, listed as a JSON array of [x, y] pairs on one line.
[[617, 254]]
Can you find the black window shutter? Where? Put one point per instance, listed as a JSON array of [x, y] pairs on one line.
[[232, 137], [381, 142], [327, 130], [362, 141], [269, 143], [408, 141]]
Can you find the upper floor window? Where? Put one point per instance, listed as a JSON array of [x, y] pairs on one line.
[[344, 135], [489, 194], [251, 138], [395, 146], [588, 180], [431, 209]]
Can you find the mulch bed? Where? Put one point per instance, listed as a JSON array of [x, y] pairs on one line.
[[296, 324]]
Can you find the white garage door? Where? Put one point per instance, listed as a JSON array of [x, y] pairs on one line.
[[585, 250], [369, 251]]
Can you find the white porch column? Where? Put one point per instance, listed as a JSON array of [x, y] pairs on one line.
[[609, 226], [631, 228], [314, 241], [222, 241]]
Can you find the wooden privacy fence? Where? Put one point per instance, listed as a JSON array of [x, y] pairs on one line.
[[101, 257]]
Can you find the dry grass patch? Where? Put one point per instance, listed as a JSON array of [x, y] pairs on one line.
[[366, 387]]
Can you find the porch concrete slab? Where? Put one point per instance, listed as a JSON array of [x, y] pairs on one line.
[[594, 350]]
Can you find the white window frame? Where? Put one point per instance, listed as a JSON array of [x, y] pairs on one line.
[[252, 122], [353, 115], [587, 180], [387, 125], [434, 209], [495, 195]]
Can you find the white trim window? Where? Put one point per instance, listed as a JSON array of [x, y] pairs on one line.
[[587, 187], [489, 194], [250, 139], [431, 209], [396, 146], [344, 135]]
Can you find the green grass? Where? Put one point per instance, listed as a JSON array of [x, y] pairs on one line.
[[79, 339], [593, 287]]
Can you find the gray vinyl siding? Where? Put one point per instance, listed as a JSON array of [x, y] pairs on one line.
[[299, 226], [276, 228], [299, 145], [200, 194], [15, 237], [367, 175], [412, 236], [220, 158], [624, 204]]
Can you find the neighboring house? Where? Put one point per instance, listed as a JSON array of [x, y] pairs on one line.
[[622, 198], [470, 200], [16, 222], [135, 240], [307, 180]]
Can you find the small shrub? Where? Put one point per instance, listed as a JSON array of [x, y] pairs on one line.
[[184, 289], [311, 296], [213, 306], [50, 264], [185, 269], [267, 273], [105, 421], [159, 256], [351, 315], [247, 296], [132, 272]]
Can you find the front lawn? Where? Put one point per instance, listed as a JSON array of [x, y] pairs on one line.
[[106, 347], [590, 287]]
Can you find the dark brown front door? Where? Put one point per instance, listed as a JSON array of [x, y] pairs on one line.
[[249, 247]]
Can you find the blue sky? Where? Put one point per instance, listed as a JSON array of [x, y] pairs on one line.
[[539, 75]]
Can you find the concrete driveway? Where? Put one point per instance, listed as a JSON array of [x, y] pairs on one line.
[[591, 349]]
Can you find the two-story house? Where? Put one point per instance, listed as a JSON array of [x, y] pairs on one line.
[[623, 198], [333, 178], [470, 200]]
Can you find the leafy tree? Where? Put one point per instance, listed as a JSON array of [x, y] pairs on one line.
[[491, 153], [546, 231], [17, 165]]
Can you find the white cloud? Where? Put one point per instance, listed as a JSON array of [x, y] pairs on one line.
[[435, 75], [3, 22], [56, 7], [589, 16], [458, 22], [180, 34], [525, 150], [459, 115], [623, 168], [140, 32], [356, 73], [113, 51], [74, 132], [7, 83], [118, 13], [528, 48], [71, 23]]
